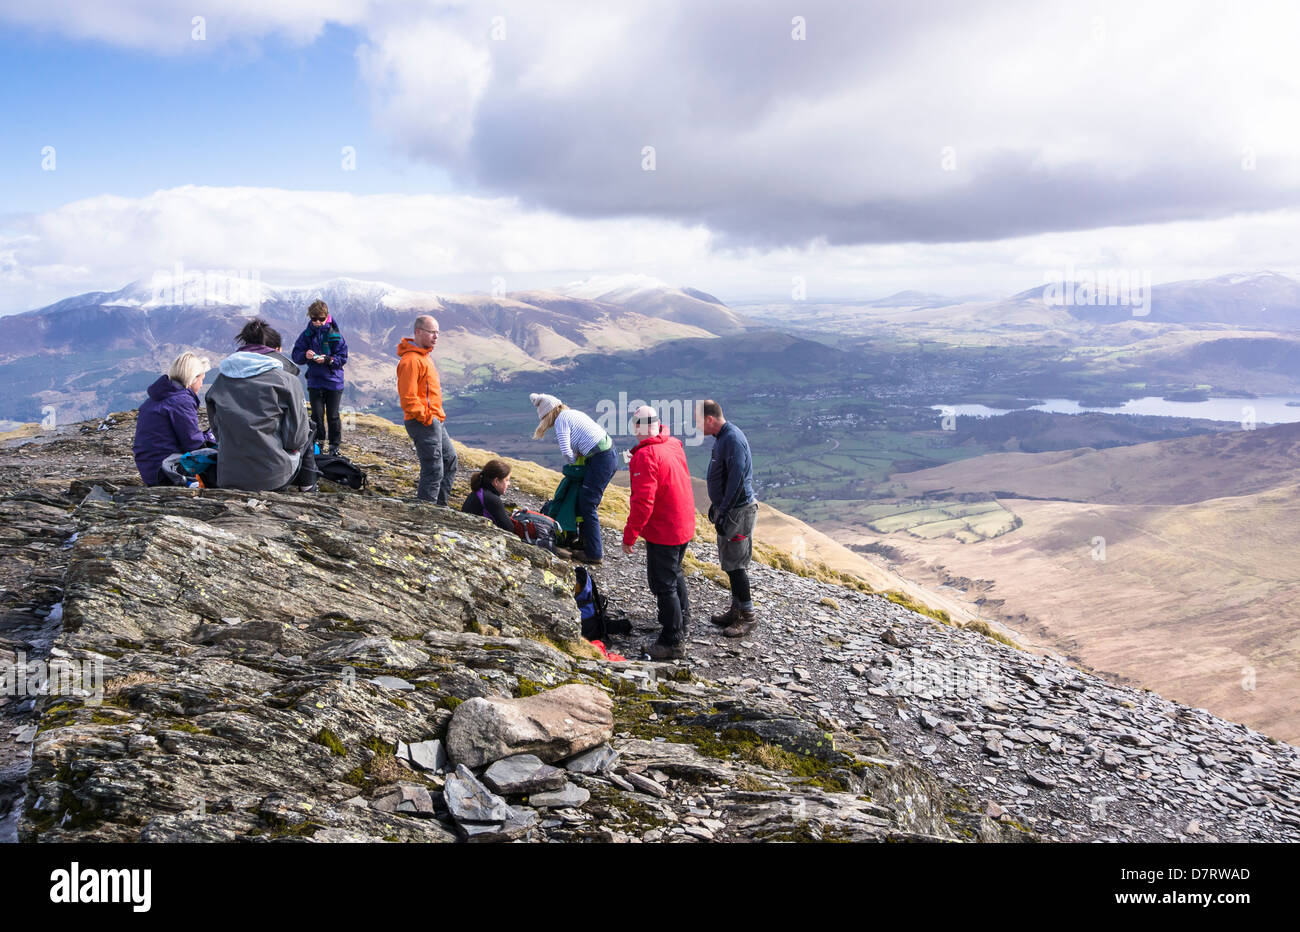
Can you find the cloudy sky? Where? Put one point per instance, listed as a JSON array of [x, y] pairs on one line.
[[864, 147]]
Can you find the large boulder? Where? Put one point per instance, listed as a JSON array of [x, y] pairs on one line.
[[553, 725]]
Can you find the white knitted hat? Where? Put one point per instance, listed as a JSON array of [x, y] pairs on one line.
[[543, 404], [645, 413]]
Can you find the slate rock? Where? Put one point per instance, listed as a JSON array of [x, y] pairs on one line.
[[518, 824], [646, 785], [403, 798], [392, 682], [597, 760], [568, 796], [523, 774], [468, 800], [427, 755]]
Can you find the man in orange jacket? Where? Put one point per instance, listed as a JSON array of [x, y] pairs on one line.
[[663, 512], [421, 394]]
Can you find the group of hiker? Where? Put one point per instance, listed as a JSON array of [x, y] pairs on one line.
[[266, 434], [263, 431]]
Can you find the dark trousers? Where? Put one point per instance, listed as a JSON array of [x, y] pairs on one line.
[[663, 565], [600, 469], [740, 588], [325, 408], [437, 457]]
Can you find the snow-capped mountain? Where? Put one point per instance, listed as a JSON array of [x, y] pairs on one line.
[[97, 351], [654, 298]]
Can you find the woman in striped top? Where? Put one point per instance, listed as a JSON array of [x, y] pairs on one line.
[[581, 440]]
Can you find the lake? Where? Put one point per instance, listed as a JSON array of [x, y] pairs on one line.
[[1269, 409]]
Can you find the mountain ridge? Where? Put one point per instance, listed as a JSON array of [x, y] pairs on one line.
[[90, 353], [282, 697]]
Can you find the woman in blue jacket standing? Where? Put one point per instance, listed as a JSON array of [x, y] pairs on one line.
[[322, 349], [169, 421]]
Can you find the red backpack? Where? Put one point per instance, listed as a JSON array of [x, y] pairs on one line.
[[536, 528]]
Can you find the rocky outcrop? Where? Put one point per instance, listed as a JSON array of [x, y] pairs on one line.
[[353, 667]]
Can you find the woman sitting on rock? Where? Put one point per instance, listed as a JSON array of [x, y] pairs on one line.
[[486, 488], [169, 420]]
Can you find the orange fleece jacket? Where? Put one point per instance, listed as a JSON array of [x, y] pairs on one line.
[[417, 384]]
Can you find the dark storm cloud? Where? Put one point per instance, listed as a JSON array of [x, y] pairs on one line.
[[773, 141]]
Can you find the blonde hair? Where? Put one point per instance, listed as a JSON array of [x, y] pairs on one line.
[[547, 421], [187, 367]]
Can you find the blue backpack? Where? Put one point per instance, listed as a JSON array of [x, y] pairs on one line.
[[598, 622]]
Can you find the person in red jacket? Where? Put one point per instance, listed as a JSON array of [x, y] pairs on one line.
[[662, 512]]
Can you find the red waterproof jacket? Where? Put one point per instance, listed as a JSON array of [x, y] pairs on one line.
[[663, 505]]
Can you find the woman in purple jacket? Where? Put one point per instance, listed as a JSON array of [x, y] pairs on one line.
[[169, 421], [322, 349]]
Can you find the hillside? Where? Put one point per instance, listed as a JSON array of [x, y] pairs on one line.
[[1166, 472], [781, 533], [299, 668], [1170, 564], [95, 352]]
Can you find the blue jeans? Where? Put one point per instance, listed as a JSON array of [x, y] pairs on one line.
[[437, 460], [600, 469]]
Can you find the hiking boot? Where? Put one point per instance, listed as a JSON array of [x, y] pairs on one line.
[[744, 624], [657, 651], [562, 553], [727, 618], [580, 556], [334, 450]]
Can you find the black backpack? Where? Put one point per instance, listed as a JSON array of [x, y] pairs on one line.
[[341, 471], [598, 621]]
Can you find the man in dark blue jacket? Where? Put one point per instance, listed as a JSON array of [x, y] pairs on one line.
[[732, 509]]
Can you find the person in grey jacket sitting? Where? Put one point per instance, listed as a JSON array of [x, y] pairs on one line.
[[258, 411]]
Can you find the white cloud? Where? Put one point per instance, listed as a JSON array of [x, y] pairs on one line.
[[1060, 116], [460, 243], [103, 242], [427, 81]]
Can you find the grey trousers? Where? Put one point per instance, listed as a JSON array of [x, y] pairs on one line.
[[437, 458]]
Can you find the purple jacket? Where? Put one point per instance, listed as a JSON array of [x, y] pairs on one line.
[[168, 423], [325, 341]]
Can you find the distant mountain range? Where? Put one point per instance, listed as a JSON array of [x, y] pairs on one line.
[[1120, 305], [914, 299], [97, 352], [1256, 301]]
